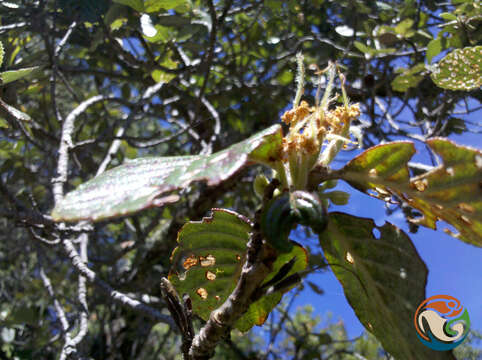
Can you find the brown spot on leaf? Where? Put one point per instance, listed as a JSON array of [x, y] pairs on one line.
[[189, 262], [420, 185], [466, 207], [465, 219], [210, 275], [217, 297], [203, 294], [209, 260]]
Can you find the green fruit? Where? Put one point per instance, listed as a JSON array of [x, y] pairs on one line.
[[284, 212]]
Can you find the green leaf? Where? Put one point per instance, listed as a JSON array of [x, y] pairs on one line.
[[259, 310], [162, 76], [3, 123], [404, 82], [147, 182], [154, 6], [434, 48], [137, 5], [211, 252], [460, 70], [383, 278], [403, 27], [208, 262], [450, 192], [448, 16], [12, 75], [363, 48]]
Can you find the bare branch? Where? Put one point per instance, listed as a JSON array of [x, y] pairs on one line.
[[117, 296]]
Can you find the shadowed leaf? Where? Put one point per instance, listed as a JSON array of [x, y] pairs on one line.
[[259, 310], [450, 192], [383, 278], [460, 70], [146, 182]]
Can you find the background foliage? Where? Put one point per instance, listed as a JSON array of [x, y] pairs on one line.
[[184, 78]]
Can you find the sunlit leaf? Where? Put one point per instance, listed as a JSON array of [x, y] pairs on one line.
[[209, 258], [152, 6], [19, 115], [434, 48], [403, 28], [383, 278], [12, 75], [146, 182], [208, 262], [450, 192], [460, 70]]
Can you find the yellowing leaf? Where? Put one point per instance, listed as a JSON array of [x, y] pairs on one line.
[[450, 192]]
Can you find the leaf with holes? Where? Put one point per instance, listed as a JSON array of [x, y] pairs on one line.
[[460, 70], [450, 192], [208, 259], [147, 182], [259, 310], [383, 278]]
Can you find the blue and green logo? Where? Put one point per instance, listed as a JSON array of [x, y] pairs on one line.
[[442, 323]]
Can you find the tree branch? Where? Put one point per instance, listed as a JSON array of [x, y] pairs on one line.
[[220, 321]]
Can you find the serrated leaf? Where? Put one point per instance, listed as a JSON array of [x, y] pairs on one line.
[[450, 192], [146, 182], [12, 75], [259, 310], [212, 253], [460, 70], [383, 279]]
